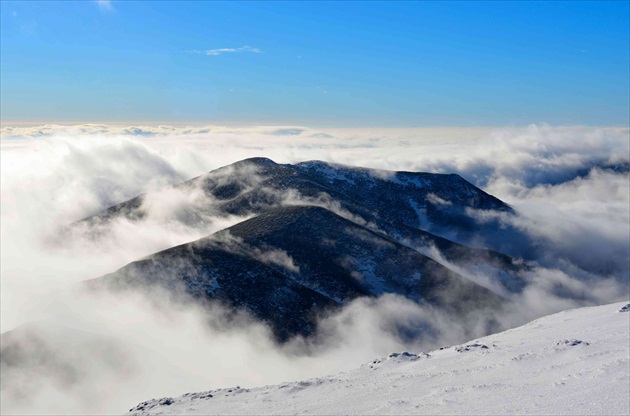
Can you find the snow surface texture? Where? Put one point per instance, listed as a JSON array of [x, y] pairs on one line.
[[573, 362]]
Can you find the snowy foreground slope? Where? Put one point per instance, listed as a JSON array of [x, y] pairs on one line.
[[573, 362]]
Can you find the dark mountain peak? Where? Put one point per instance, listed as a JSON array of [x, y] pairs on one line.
[[334, 230], [405, 207], [418, 199], [259, 161]]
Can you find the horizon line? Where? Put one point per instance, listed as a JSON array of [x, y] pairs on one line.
[[277, 124]]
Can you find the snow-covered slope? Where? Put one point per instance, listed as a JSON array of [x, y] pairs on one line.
[[573, 362]]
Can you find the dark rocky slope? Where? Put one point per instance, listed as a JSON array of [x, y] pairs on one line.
[[400, 206], [289, 264]]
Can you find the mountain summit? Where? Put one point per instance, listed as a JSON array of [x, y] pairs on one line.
[[321, 235]]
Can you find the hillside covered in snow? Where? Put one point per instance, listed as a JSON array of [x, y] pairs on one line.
[[572, 362]]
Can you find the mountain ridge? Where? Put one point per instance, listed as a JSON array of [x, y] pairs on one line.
[[251, 265], [252, 186]]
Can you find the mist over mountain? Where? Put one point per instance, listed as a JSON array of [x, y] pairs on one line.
[[182, 322], [396, 205], [573, 362], [257, 194], [321, 236], [288, 264]]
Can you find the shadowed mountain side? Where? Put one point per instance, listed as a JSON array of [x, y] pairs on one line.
[[208, 270], [444, 204], [415, 198], [289, 264], [500, 268], [256, 184], [397, 205]]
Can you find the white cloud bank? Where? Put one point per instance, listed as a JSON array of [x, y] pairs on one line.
[[570, 186]]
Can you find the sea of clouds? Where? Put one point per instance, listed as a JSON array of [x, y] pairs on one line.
[[103, 353]]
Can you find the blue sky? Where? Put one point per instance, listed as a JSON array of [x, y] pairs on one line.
[[335, 64]]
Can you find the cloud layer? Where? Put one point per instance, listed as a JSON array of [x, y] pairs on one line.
[[570, 186]]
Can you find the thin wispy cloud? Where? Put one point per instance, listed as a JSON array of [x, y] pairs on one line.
[[219, 51], [104, 4]]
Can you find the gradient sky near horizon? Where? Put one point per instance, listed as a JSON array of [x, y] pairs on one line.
[[346, 63]]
